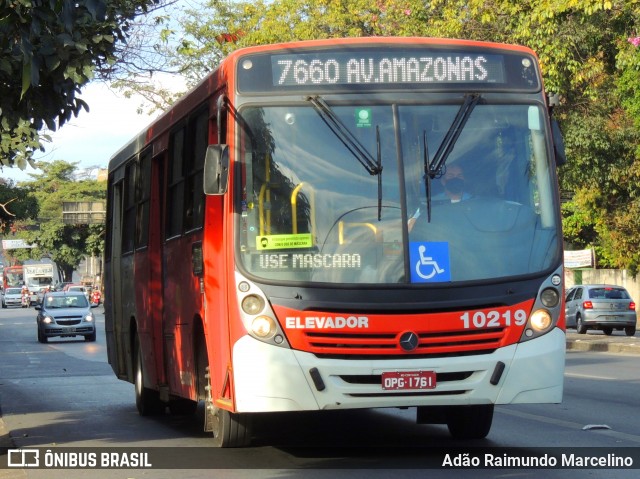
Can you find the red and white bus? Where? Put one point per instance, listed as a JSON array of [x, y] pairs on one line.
[[379, 227], [12, 276]]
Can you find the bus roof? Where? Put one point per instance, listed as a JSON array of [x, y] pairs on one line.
[[216, 79], [328, 42]]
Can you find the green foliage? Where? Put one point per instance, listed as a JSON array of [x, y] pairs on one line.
[[17, 205], [48, 51], [65, 244]]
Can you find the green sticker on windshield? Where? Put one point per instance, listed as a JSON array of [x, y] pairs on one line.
[[363, 117], [302, 240]]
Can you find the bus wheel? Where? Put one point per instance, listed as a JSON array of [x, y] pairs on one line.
[[228, 429], [470, 422], [147, 400]]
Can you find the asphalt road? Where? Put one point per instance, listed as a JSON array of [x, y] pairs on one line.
[[39, 368]]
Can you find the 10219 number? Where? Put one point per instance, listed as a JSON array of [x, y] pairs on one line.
[[493, 319]]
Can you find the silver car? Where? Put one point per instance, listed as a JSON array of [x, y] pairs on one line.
[[12, 297], [600, 306], [65, 314]]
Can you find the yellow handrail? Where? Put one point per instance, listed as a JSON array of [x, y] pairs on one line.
[[342, 225], [312, 208], [265, 190]]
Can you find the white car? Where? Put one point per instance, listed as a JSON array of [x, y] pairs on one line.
[[12, 297]]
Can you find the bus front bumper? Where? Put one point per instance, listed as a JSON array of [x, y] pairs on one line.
[[269, 378]]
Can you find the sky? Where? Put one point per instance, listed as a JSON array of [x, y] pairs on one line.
[[94, 136]]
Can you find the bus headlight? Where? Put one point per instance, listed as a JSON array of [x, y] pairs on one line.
[[540, 320], [252, 304], [547, 311], [550, 297], [264, 327], [258, 318]]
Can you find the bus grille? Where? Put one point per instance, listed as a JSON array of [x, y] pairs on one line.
[[382, 346]]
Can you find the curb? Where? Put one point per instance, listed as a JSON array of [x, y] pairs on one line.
[[603, 347]]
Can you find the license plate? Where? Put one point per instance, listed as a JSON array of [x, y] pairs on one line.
[[402, 380]]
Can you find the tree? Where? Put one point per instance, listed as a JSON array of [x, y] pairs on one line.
[[16, 205], [589, 52], [48, 50], [66, 244]]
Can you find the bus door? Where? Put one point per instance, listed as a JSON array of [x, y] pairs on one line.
[[173, 257], [113, 306], [182, 281], [151, 214]]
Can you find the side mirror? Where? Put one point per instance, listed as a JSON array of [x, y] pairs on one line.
[[216, 170]]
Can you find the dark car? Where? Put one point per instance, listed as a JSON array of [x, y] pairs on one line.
[[65, 314], [600, 306], [62, 286]]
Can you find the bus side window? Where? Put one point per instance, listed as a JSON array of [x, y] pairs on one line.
[[143, 196], [129, 227], [198, 131], [175, 184]]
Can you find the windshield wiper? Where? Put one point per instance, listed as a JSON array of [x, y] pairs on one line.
[[351, 143], [345, 136], [449, 140], [379, 166], [434, 168], [427, 173]]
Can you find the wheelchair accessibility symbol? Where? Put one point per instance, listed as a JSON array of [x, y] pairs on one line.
[[430, 262]]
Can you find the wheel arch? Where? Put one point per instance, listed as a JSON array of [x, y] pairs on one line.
[[200, 357], [131, 348]]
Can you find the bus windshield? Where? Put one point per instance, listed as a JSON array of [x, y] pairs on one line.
[[12, 278], [310, 212]]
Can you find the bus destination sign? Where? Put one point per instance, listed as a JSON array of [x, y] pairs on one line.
[[386, 68]]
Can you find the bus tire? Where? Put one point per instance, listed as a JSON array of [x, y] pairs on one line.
[[470, 422], [229, 429], [147, 400]]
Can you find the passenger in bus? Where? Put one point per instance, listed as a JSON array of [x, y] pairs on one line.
[[453, 183]]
